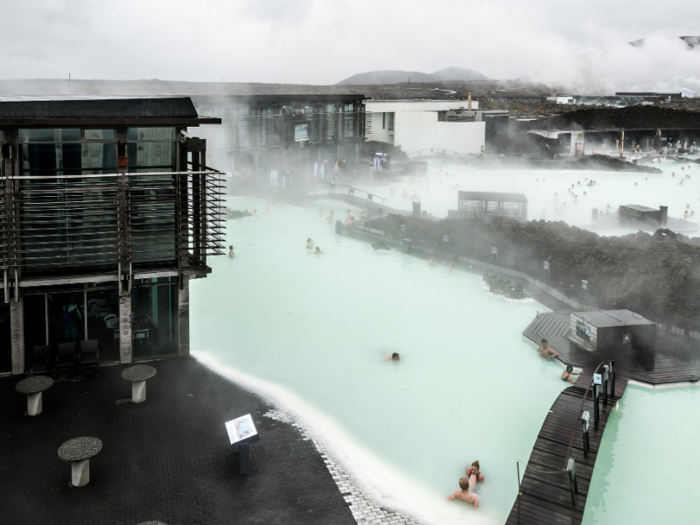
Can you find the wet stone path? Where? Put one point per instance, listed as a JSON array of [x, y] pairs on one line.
[[168, 459]]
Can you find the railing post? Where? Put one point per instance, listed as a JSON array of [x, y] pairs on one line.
[[573, 484], [612, 379], [605, 385], [584, 432], [596, 413], [517, 466]]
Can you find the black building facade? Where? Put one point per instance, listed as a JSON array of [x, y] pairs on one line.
[[107, 210]]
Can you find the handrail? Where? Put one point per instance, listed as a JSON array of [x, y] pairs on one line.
[[101, 175], [580, 410]]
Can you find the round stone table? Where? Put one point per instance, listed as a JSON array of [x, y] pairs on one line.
[[138, 375], [33, 387], [79, 451]]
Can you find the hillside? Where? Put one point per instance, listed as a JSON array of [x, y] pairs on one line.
[[395, 77]]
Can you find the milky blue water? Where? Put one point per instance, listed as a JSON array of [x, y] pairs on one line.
[[313, 332], [321, 326]]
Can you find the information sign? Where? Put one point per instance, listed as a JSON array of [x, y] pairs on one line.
[[240, 428]]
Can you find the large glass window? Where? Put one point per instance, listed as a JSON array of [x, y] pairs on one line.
[[102, 313], [34, 323], [148, 134], [5, 338], [99, 134], [154, 320], [49, 135]]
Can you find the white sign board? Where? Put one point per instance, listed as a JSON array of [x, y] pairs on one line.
[[597, 379], [240, 428]]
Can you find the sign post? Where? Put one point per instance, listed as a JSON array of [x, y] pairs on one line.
[[241, 433]]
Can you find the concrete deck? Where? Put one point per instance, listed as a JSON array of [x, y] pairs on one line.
[[167, 459]]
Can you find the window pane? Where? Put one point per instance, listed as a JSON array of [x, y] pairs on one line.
[[5, 338], [154, 320], [103, 322], [301, 132], [151, 156], [49, 135], [99, 134], [137, 134]]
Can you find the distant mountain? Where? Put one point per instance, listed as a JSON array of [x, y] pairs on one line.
[[396, 77]]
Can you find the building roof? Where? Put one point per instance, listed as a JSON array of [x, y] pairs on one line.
[[492, 196], [639, 207], [88, 109], [612, 318], [277, 98]]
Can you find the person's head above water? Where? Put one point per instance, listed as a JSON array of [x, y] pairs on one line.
[[395, 356], [308, 240], [464, 483], [544, 341], [476, 465], [318, 248], [569, 368]]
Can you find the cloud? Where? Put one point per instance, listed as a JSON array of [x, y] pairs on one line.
[[322, 42]]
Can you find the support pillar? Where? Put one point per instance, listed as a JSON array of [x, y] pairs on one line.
[[357, 153], [17, 334], [80, 473], [183, 317], [138, 391], [125, 349]]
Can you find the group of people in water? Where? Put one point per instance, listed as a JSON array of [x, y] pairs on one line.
[[467, 483], [548, 353]]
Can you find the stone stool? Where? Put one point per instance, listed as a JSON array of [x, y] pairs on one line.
[[79, 451], [138, 375], [33, 387]]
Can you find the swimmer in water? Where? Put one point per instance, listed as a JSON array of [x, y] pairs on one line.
[[330, 217], [474, 474], [567, 375], [546, 352], [464, 494], [432, 262], [309, 243], [230, 251], [318, 250], [394, 357]]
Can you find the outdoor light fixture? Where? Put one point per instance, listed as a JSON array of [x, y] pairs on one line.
[[626, 339]]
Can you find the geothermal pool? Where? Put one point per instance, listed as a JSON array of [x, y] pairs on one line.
[[316, 330], [438, 190], [649, 453], [312, 333]]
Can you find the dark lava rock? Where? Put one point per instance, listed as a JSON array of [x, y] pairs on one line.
[[608, 163], [656, 275], [235, 214]]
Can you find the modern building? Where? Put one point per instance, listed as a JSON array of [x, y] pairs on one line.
[[107, 211], [287, 133], [454, 126]]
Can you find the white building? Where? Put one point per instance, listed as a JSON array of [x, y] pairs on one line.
[[424, 125]]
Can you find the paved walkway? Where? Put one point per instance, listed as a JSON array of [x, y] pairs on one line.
[[167, 459]]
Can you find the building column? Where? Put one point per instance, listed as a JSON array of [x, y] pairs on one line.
[[183, 317], [125, 351], [357, 152], [17, 334]]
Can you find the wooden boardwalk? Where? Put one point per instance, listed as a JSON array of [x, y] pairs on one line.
[[654, 369], [545, 496]]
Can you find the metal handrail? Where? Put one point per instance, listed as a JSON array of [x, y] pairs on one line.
[[580, 410]]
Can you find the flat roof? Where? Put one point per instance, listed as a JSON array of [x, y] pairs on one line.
[[282, 97], [639, 207], [491, 196], [90, 109], [611, 318]]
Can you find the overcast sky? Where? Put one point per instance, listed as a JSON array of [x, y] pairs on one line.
[[323, 42]]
